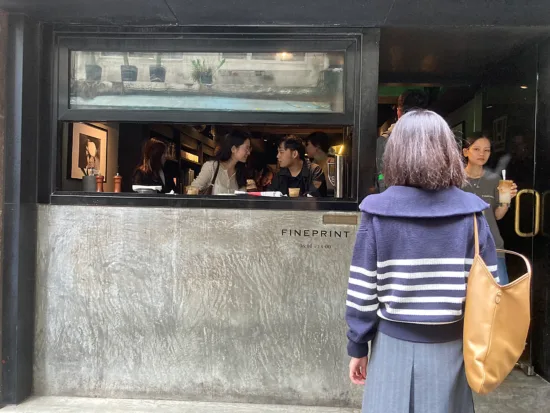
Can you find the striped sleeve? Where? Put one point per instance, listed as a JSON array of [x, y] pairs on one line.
[[487, 248], [362, 298]]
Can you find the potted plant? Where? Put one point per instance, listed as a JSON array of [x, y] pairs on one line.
[[128, 73], [88, 180], [157, 73], [203, 73], [93, 70]]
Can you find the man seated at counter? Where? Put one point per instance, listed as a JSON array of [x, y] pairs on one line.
[[297, 177]]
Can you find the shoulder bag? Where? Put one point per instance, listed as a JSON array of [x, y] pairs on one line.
[[208, 190], [496, 323]]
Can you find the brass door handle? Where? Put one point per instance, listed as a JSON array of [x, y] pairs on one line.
[[543, 210], [518, 213]]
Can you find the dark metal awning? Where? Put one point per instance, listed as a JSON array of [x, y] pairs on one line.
[[449, 56], [364, 13], [422, 41]]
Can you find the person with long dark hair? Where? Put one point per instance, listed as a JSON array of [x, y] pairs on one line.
[[151, 171], [407, 286], [227, 173], [484, 183]]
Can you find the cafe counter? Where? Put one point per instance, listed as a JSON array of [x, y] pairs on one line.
[[209, 304]]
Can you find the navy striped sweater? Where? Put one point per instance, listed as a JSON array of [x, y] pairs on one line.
[[410, 264]]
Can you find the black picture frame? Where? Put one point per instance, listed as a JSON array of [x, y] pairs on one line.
[[75, 154]]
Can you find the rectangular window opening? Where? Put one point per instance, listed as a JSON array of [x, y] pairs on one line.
[[108, 149]]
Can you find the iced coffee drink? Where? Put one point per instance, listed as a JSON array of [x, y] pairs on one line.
[[505, 191], [294, 192], [191, 190]]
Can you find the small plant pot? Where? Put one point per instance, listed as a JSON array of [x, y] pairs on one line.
[[89, 183], [206, 79], [128, 73], [157, 74], [93, 73]]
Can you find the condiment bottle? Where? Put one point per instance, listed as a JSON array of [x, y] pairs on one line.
[[118, 183], [99, 183]]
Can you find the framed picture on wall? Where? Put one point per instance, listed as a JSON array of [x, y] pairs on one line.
[[499, 134], [459, 131], [87, 150]]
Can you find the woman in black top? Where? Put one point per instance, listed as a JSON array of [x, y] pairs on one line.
[[151, 170]]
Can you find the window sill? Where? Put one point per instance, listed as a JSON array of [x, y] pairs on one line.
[[189, 201]]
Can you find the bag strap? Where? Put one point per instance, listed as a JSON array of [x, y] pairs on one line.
[[215, 174], [476, 236], [517, 254], [501, 251]]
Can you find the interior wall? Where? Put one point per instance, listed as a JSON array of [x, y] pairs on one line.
[[471, 113], [68, 184]]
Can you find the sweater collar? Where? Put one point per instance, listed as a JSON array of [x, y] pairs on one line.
[[402, 201]]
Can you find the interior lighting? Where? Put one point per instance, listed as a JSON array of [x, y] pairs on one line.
[[285, 56]]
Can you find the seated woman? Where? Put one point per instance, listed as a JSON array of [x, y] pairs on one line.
[[227, 173], [150, 171]]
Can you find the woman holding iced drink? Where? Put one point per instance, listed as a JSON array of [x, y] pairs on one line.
[[489, 187]]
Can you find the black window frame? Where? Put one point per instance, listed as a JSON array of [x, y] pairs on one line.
[[360, 97], [221, 44]]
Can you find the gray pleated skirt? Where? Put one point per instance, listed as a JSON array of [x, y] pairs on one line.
[[405, 377]]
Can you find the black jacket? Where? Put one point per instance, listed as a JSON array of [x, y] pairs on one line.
[[311, 180], [150, 179], [380, 149]]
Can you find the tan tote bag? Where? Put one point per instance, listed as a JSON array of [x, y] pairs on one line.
[[496, 323]]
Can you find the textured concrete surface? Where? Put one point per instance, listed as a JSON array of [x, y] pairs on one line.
[[206, 305], [189, 304], [84, 405], [519, 394]]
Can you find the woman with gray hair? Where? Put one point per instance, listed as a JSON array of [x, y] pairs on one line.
[[407, 285]]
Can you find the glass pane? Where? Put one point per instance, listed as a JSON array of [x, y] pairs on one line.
[[234, 55], [264, 56], [174, 56], [271, 82]]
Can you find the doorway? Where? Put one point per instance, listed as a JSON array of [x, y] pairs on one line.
[[505, 105]]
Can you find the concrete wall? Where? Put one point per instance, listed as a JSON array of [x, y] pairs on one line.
[[192, 304]]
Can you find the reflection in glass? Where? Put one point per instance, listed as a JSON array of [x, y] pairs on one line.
[[270, 82]]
